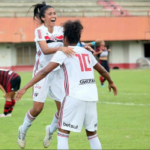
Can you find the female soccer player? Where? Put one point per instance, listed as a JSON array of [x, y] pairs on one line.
[[9, 84], [103, 59], [48, 39], [78, 107]]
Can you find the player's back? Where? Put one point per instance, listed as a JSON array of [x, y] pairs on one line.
[[79, 75]]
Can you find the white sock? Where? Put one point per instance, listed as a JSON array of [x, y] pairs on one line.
[[53, 126], [27, 122], [62, 140], [94, 142]]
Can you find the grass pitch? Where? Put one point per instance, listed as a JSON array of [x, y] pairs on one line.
[[123, 120]]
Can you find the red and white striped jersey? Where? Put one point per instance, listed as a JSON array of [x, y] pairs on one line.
[[54, 39], [6, 76], [78, 73]]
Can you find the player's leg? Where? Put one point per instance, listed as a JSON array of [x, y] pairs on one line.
[[90, 124], [55, 92], [7, 105], [71, 119], [101, 78], [62, 138], [40, 92], [50, 129], [12, 86], [13, 102], [28, 120], [93, 140], [53, 126]]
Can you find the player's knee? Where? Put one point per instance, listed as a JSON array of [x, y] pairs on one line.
[[89, 133], [8, 98], [38, 110]]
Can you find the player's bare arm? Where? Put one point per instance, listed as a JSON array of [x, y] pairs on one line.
[[106, 75], [89, 48], [90, 44], [46, 50], [39, 76], [96, 53], [1, 87]]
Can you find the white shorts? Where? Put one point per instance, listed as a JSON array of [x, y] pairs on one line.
[[51, 85], [76, 113]]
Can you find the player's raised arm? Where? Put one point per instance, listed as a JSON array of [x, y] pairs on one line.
[[49, 50], [40, 75], [106, 75]]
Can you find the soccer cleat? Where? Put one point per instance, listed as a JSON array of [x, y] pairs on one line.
[[48, 137], [102, 85], [3, 115], [21, 138]]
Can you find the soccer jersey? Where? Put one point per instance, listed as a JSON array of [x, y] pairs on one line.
[[6, 76], [53, 40], [104, 53], [78, 74]]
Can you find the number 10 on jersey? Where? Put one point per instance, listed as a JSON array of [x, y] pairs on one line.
[[83, 61]]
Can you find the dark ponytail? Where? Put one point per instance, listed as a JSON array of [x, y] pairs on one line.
[[39, 11], [73, 30]]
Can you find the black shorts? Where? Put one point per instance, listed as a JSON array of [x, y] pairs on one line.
[[14, 85], [104, 63]]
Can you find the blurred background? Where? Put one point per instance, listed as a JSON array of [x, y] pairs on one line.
[[123, 24]]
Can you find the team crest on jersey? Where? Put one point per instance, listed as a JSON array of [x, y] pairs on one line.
[[35, 94]]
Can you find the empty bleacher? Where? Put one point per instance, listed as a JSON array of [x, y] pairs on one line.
[[63, 8], [78, 8], [131, 7]]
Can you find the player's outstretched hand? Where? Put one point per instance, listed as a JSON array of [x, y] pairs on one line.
[[112, 86], [68, 51], [19, 94]]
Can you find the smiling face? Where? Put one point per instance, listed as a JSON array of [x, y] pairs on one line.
[[50, 17]]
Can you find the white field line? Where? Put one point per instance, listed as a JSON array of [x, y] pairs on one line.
[[110, 103], [126, 104], [122, 93]]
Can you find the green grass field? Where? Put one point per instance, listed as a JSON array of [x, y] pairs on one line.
[[123, 121]]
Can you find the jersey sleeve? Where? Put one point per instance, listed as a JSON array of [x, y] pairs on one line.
[[94, 61], [59, 57], [39, 35]]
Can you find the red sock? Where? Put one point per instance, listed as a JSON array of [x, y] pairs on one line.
[[102, 80], [7, 106], [12, 105]]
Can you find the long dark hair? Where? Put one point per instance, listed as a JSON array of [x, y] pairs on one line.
[[39, 11]]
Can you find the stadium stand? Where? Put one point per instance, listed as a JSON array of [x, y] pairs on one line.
[[126, 7], [78, 8], [63, 8]]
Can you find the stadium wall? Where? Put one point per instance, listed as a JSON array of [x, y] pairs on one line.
[[125, 53], [122, 34]]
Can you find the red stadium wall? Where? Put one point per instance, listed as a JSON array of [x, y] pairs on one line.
[[17, 30]]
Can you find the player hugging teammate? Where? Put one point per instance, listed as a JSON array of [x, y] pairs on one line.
[[79, 103]]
